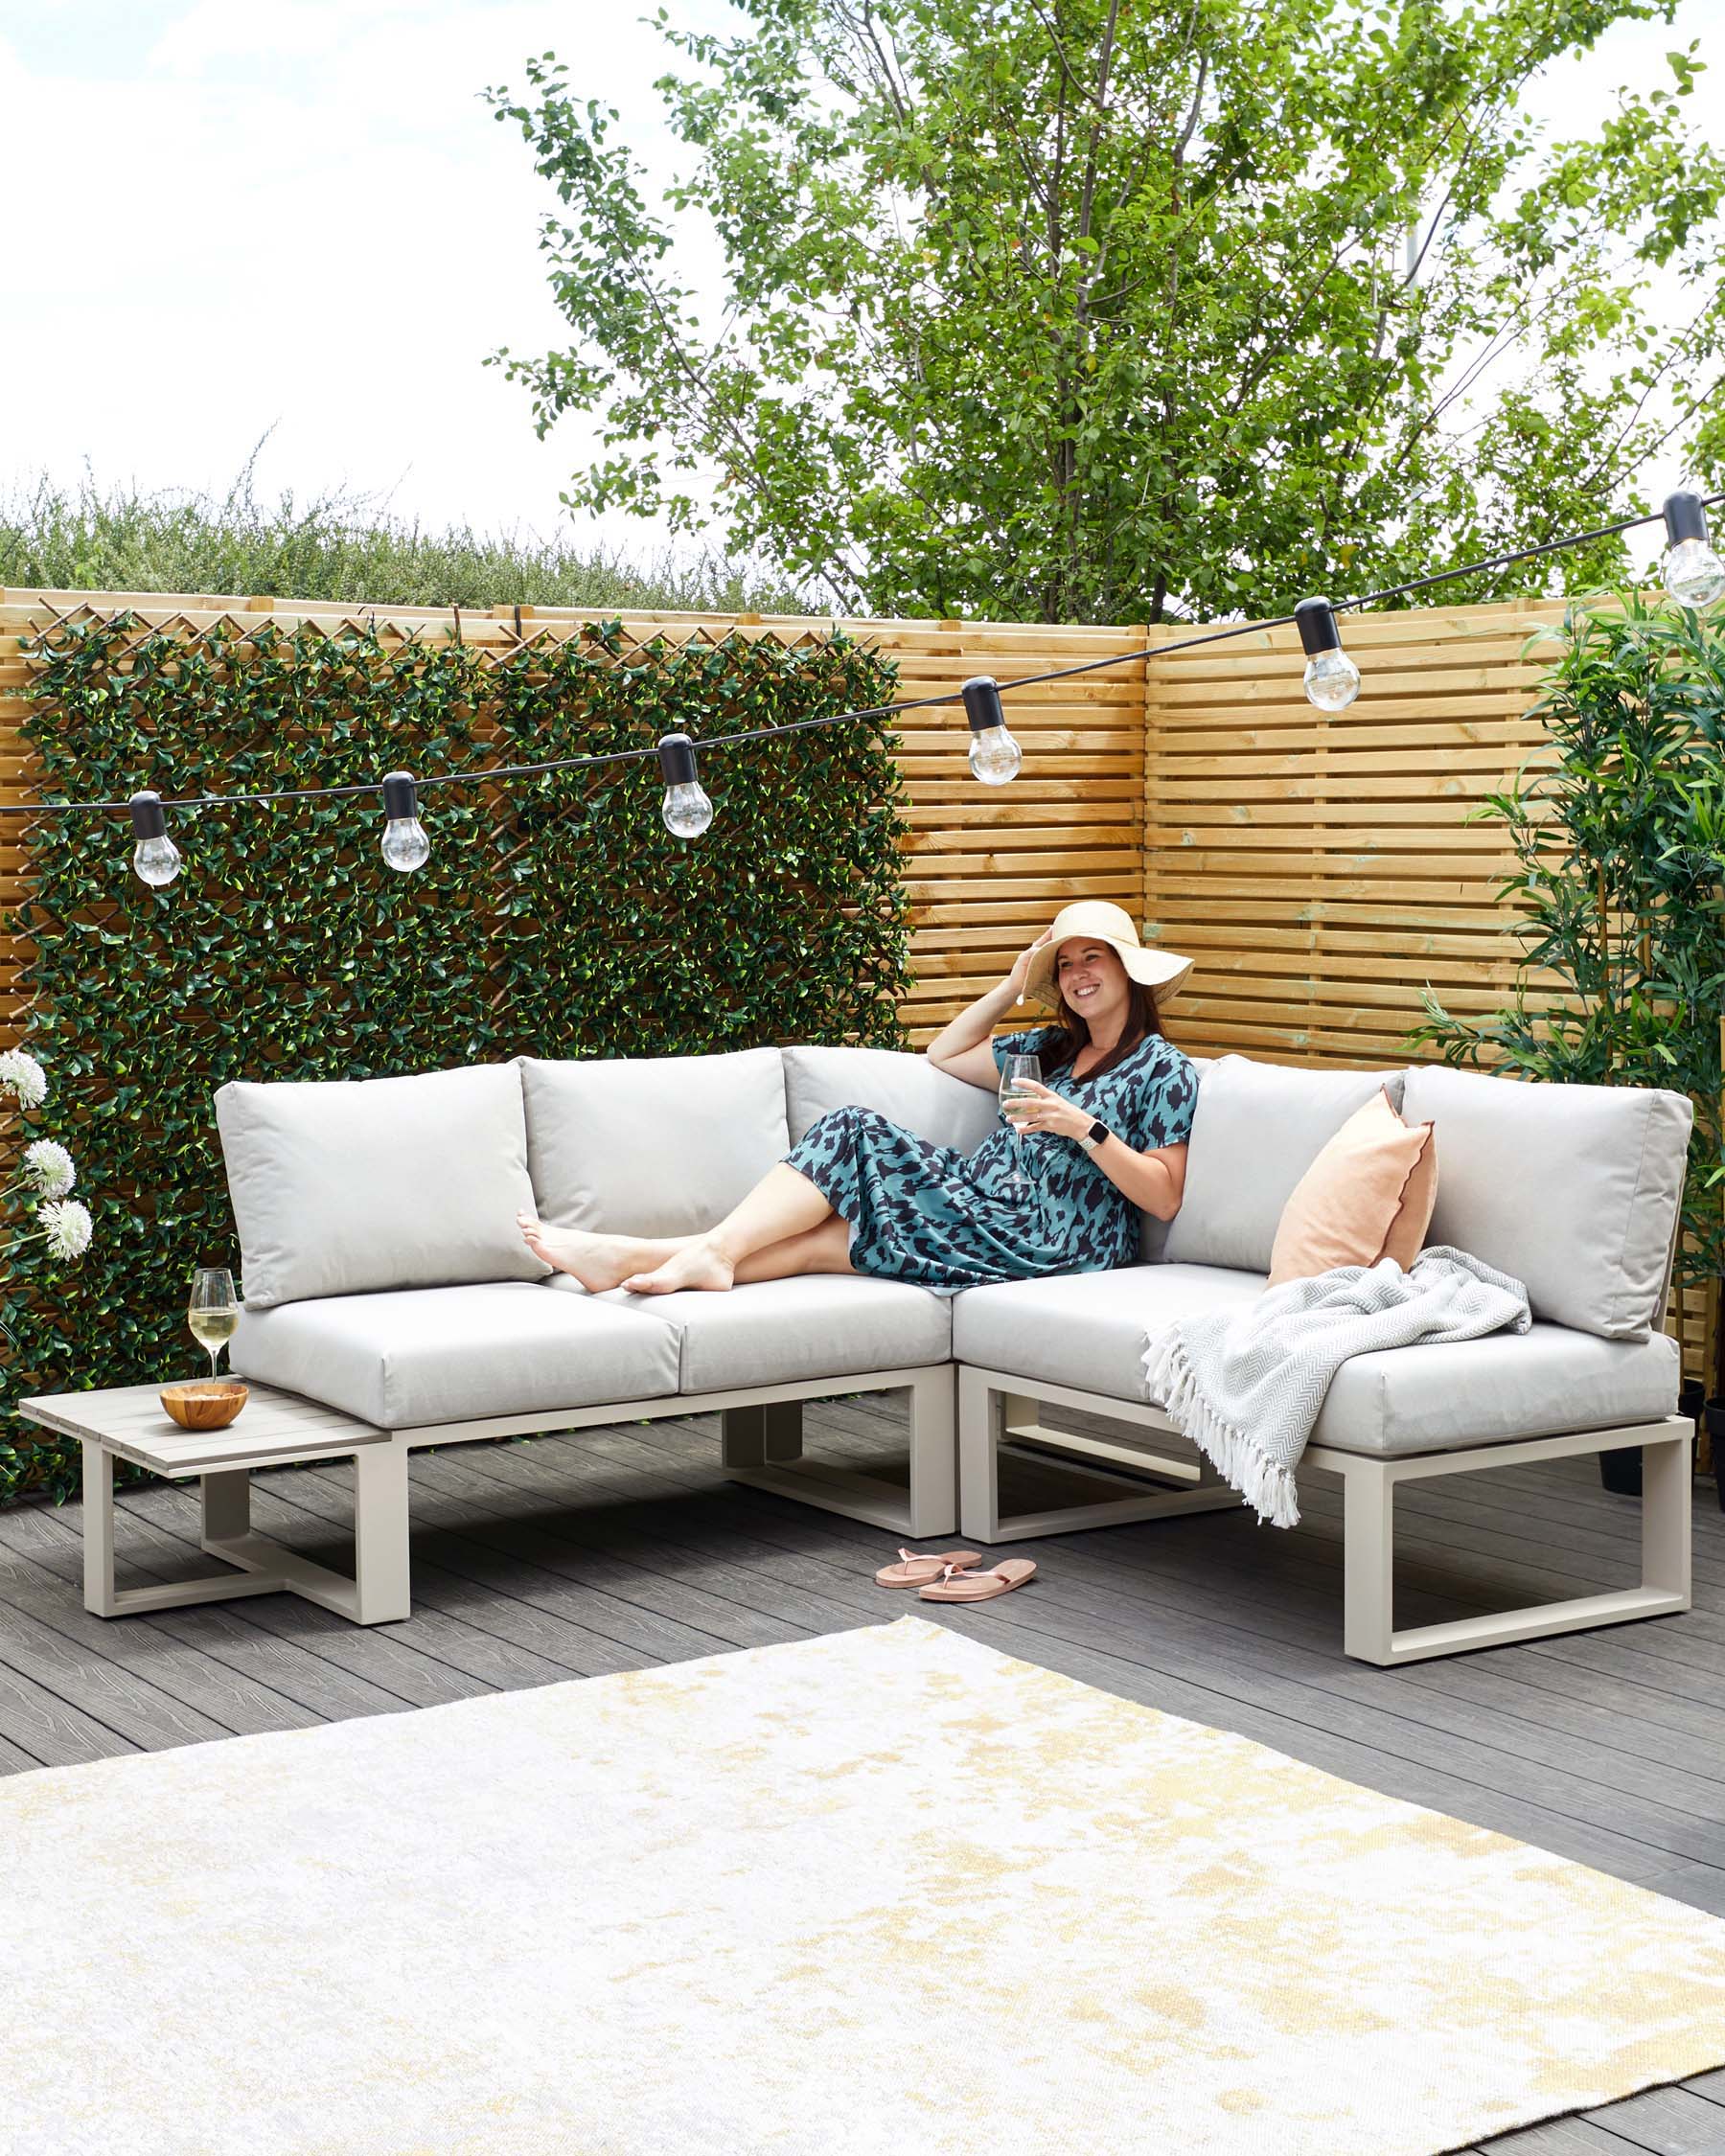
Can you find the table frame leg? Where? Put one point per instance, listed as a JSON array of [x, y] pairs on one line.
[[379, 1593]]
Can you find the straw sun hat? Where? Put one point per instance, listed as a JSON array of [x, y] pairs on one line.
[[1100, 922]]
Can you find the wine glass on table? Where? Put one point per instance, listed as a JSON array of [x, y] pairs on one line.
[[213, 1312], [1016, 1094]]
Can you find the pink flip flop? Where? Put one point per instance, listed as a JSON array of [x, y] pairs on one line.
[[955, 1586], [914, 1571]]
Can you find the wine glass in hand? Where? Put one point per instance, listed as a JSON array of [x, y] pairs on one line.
[[1014, 1070], [214, 1311]]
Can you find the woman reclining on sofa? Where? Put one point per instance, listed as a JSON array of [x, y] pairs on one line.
[[860, 1194]]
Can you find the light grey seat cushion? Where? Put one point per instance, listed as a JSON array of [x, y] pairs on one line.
[[651, 1145], [782, 1331], [1573, 1189], [1256, 1130], [1087, 1329], [338, 1189], [1537, 1384], [930, 1103], [432, 1355]]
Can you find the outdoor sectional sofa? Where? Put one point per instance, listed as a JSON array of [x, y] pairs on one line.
[[383, 1276]]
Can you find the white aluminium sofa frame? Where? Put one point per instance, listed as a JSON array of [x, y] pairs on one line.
[[996, 1410]]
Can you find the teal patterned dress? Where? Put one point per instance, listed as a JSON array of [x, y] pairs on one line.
[[929, 1214]]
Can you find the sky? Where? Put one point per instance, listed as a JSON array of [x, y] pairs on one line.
[[233, 219]]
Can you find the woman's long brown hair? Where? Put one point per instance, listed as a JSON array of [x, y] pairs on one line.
[[1142, 1018]]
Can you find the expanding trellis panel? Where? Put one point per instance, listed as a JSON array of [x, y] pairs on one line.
[[984, 868]]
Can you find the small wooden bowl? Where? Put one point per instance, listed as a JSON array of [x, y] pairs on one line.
[[209, 1404]]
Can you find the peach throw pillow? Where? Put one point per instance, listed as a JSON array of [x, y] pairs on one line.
[[1369, 1195]]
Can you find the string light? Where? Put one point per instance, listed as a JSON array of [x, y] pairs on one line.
[[994, 757], [1695, 575], [156, 856], [1694, 572], [686, 810], [1332, 680], [405, 845]]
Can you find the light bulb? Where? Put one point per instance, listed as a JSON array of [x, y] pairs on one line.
[[686, 810], [405, 845], [1695, 575], [156, 857], [157, 861], [994, 757], [1332, 680]]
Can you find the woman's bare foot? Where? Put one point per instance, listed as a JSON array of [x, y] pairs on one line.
[[698, 1264], [597, 1261]]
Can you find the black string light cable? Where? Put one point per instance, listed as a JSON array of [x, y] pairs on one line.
[[1694, 576]]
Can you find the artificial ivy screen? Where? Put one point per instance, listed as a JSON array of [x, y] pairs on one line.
[[556, 916]]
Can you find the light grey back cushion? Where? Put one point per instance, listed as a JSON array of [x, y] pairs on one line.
[[1573, 1189], [659, 1145], [1257, 1128], [380, 1183], [908, 1087], [1153, 1233]]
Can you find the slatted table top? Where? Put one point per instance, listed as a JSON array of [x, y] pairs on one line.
[[130, 1420]]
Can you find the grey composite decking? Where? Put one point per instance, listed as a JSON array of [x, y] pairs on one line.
[[617, 1547]]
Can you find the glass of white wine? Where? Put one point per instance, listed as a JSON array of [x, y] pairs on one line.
[[214, 1311], [1014, 1070]]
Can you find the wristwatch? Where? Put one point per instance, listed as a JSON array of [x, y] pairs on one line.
[[1094, 1136]]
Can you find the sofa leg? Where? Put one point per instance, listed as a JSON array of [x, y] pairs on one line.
[[1369, 1561], [991, 1416], [1369, 1630], [982, 1424], [760, 1443], [934, 1454], [766, 1435]]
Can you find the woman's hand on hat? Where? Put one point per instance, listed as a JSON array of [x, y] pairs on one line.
[[1049, 1111], [1021, 965]]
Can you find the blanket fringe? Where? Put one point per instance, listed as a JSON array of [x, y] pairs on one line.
[[1265, 1484]]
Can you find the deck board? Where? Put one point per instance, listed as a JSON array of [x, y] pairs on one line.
[[623, 1545]]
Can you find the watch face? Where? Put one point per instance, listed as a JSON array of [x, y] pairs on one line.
[[1097, 1132]]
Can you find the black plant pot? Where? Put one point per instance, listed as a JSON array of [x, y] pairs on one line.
[[1621, 1469], [1715, 1431]]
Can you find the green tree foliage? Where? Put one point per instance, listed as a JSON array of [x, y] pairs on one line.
[[1619, 827], [1070, 311], [556, 917]]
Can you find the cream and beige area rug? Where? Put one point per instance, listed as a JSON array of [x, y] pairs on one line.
[[880, 1892]]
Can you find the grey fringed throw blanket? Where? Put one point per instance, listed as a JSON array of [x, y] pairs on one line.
[[1246, 1386]]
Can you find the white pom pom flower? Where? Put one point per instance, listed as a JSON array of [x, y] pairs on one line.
[[49, 1168], [66, 1225], [23, 1077]]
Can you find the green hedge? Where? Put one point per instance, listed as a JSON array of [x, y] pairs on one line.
[[555, 917]]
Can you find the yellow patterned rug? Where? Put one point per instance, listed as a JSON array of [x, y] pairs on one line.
[[881, 1891]]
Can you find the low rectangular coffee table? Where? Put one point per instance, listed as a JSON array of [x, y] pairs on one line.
[[273, 1430]]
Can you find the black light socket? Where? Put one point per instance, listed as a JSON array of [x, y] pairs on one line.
[[148, 818], [400, 796], [981, 695], [1685, 518], [1316, 621], [677, 760]]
